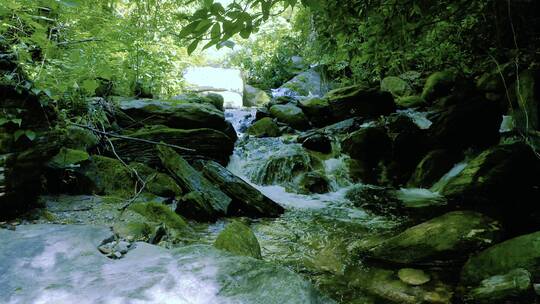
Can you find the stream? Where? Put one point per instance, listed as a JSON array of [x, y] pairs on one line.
[[317, 234]]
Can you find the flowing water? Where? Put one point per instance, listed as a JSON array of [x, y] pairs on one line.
[[317, 233]]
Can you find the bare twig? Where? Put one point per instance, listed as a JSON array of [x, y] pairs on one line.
[[133, 138]]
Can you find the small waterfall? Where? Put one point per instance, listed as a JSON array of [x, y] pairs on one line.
[[439, 186]]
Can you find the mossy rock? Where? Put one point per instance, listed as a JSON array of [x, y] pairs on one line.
[[449, 237], [134, 230], [80, 138], [396, 86], [438, 84], [104, 175], [520, 252], [313, 182], [265, 127], [238, 239], [157, 183], [68, 158], [157, 213], [410, 101], [290, 115], [317, 110]]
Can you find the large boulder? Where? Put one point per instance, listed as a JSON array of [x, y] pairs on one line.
[[147, 273], [237, 238], [317, 142], [214, 202], [369, 146], [174, 114], [503, 181], [246, 200], [290, 115], [358, 101], [409, 144], [446, 238], [317, 110], [432, 167], [284, 166], [206, 143], [520, 252], [255, 97], [475, 123], [307, 83], [265, 127]]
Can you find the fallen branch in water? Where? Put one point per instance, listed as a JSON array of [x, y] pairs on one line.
[[133, 138]]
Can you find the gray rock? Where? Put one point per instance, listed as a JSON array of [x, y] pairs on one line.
[[61, 264], [246, 200]]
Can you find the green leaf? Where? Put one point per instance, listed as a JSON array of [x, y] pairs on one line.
[[245, 32], [216, 31], [188, 29], [193, 46], [203, 26], [90, 85], [31, 135]]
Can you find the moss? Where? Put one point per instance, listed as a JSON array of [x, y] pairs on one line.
[[438, 84], [345, 92], [396, 86], [448, 237], [67, 158], [160, 213], [291, 115], [519, 252], [157, 183], [134, 230], [238, 238], [410, 101], [109, 176], [263, 128], [79, 138]]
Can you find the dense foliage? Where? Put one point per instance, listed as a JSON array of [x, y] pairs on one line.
[[77, 48]]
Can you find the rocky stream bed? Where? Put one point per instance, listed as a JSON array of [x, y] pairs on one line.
[[360, 195]]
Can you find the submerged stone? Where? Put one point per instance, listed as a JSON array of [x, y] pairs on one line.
[[388, 288], [238, 239], [445, 238], [512, 287]]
